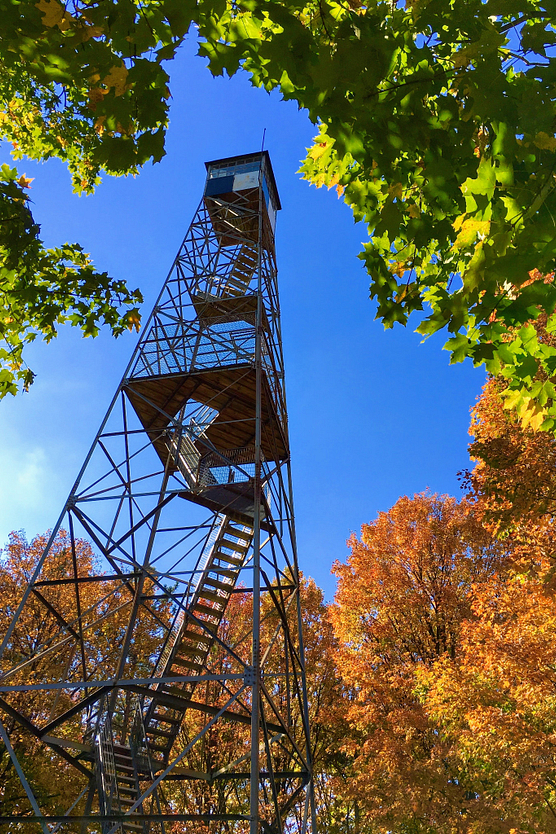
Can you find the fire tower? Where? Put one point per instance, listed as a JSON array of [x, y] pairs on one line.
[[167, 679]]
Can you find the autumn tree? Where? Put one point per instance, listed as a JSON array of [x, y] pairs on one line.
[[40, 651], [436, 124], [495, 707], [403, 598], [513, 479], [17, 562]]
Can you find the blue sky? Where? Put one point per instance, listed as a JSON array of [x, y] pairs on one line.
[[373, 414]]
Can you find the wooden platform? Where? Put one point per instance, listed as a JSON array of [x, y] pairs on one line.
[[230, 391], [229, 308]]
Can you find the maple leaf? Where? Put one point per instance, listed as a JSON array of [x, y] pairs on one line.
[[53, 12], [544, 141], [116, 78], [133, 320]]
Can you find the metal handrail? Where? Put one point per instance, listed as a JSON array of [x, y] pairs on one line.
[[104, 750]]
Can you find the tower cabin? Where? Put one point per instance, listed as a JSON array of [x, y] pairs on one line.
[[232, 196]]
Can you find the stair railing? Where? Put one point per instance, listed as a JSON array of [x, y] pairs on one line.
[[192, 587], [106, 764], [182, 446]]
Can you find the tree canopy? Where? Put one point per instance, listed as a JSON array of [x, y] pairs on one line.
[[436, 123]]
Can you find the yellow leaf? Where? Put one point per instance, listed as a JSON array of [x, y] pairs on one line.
[[133, 320], [53, 12], [511, 399], [533, 416], [544, 141], [469, 231], [117, 78], [25, 182], [93, 32], [396, 190], [317, 150]]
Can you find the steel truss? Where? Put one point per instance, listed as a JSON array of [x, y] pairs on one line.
[[169, 680]]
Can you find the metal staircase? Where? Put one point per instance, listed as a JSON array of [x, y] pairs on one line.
[[127, 786], [119, 780], [191, 638], [186, 653], [189, 645], [243, 270]]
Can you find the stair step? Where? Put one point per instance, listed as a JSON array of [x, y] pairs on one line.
[[241, 548], [221, 586], [123, 757], [157, 748], [125, 765], [221, 571], [154, 731], [165, 719], [127, 789], [243, 276], [190, 651], [224, 557], [235, 282], [244, 270], [186, 664], [248, 254], [210, 612], [239, 534], [121, 778], [179, 694], [200, 638], [212, 596], [193, 660]]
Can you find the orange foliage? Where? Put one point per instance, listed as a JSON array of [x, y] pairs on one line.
[[403, 599], [496, 707], [514, 479], [56, 656]]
